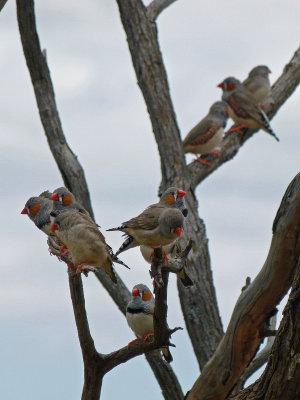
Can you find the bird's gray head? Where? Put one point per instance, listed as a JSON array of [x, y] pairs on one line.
[[260, 70], [228, 86], [171, 223], [38, 209], [63, 195], [142, 291], [220, 111], [46, 194], [174, 198]]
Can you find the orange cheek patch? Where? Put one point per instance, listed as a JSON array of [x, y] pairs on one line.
[[230, 87], [169, 199], [67, 200], [34, 210], [146, 296]]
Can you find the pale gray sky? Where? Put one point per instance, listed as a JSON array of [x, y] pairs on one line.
[[106, 124]]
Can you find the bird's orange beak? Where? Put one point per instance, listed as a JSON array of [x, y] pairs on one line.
[[135, 292], [53, 228], [24, 211], [221, 85], [54, 197], [181, 193], [178, 231]]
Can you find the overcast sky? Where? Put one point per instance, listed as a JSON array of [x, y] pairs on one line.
[[107, 126]]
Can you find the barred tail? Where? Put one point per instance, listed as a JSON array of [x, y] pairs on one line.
[[267, 126], [119, 228], [127, 244]]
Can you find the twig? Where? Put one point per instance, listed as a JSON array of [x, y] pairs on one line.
[[156, 7]]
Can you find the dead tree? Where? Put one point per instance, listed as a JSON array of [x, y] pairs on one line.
[[222, 357]]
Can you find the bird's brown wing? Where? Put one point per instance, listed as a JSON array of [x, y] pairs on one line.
[[244, 105], [148, 219], [201, 133]]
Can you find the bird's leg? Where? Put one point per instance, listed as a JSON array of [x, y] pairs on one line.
[[65, 252], [200, 160], [237, 129], [133, 341], [79, 266], [146, 337], [216, 153], [164, 256]]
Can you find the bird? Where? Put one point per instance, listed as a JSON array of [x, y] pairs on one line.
[[208, 133], [85, 242], [160, 224], [243, 108], [139, 316], [65, 201], [258, 83], [38, 209], [170, 250]]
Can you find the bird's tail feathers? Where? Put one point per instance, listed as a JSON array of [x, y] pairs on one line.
[[125, 245], [268, 126], [119, 228], [167, 354], [118, 261], [109, 269], [185, 279]]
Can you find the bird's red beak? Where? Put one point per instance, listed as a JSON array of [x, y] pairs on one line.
[[24, 211], [135, 292], [181, 193], [54, 197], [178, 231], [221, 85], [53, 228]]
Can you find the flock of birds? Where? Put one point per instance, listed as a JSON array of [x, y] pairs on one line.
[[242, 102], [59, 214]]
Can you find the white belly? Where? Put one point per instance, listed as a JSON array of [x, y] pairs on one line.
[[140, 323]]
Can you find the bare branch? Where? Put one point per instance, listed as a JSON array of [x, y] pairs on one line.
[[67, 162], [156, 7], [281, 91], [2, 4], [242, 338], [259, 360], [282, 374]]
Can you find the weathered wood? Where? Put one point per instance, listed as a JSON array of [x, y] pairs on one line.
[[156, 7], [2, 4], [280, 380], [243, 336]]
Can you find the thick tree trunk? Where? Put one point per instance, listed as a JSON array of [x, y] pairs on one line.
[[281, 378]]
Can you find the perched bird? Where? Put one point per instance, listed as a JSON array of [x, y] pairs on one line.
[[155, 227], [208, 133], [84, 241], [139, 316], [243, 108], [160, 224], [258, 83], [65, 201], [169, 251], [38, 209]]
